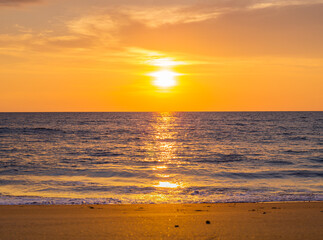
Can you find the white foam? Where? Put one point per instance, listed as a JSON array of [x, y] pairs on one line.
[[26, 200]]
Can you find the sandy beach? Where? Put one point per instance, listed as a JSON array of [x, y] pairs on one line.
[[291, 220]]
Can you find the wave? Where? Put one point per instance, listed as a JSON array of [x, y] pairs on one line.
[[235, 198], [230, 150], [37, 130], [316, 159], [220, 158], [280, 162], [103, 153], [271, 174]]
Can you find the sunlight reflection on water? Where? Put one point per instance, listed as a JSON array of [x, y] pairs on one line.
[[161, 157], [166, 149]]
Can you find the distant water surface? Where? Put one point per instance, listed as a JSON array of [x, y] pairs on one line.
[[74, 158]]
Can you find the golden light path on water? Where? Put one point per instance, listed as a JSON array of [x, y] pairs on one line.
[[166, 183], [165, 149], [158, 158]]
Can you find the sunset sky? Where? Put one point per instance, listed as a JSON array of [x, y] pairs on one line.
[[162, 55]]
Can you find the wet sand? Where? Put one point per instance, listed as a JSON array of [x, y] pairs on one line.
[[165, 221]]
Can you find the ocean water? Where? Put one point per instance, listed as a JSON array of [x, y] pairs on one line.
[[181, 157]]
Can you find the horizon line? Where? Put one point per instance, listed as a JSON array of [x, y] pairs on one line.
[[160, 111]]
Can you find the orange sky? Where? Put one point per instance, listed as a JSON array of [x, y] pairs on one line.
[[103, 55]]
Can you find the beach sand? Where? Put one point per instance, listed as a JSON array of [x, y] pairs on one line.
[[303, 220]]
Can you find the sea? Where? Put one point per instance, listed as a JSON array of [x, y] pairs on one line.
[[160, 157]]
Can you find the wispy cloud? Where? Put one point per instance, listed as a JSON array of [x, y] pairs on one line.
[[16, 2], [181, 12], [93, 24], [217, 24], [279, 3], [158, 16]]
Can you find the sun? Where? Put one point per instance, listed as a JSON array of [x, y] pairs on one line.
[[165, 78]]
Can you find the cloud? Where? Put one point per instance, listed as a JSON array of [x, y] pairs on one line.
[[293, 30], [86, 32], [69, 41], [211, 27], [16, 2], [182, 12], [279, 3], [158, 16], [92, 25], [7, 40], [101, 28]]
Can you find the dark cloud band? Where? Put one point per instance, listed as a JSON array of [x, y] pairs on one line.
[[16, 2]]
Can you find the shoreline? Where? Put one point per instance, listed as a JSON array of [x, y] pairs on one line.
[[130, 204], [263, 220]]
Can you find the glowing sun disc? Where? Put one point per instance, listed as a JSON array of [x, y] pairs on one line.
[[165, 78]]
